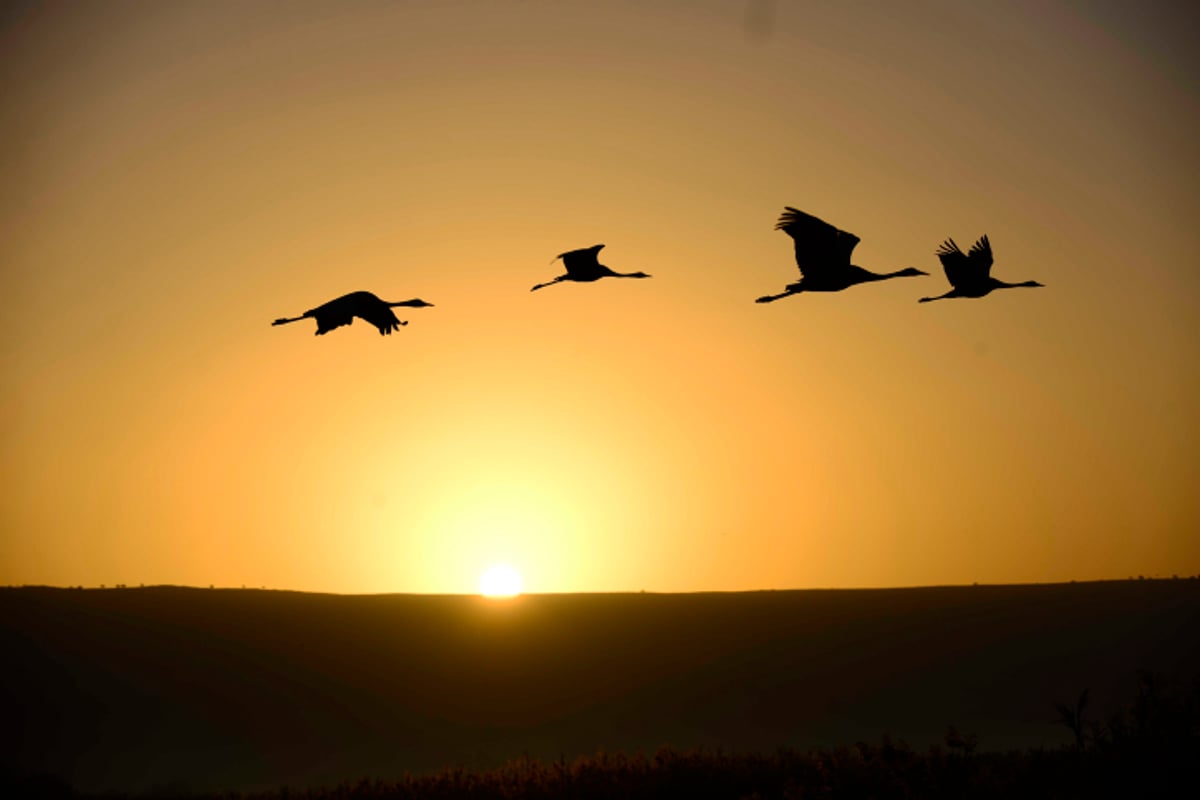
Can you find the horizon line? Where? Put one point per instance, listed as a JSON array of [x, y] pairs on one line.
[[906, 587]]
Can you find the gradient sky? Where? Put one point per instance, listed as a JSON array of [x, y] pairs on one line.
[[177, 175]]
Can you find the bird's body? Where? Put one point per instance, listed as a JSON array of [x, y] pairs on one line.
[[970, 273], [584, 266], [823, 256], [363, 305]]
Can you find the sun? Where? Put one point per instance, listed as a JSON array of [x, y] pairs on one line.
[[500, 580]]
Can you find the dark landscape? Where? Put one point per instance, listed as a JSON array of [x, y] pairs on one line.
[[365, 359], [163, 689]]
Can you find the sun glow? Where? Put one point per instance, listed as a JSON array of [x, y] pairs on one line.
[[500, 580]]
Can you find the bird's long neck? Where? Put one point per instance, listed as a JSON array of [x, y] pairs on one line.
[[413, 303], [875, 276], [998, 284], [856, 274]]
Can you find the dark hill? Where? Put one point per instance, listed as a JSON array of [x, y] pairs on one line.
[[136, 688]]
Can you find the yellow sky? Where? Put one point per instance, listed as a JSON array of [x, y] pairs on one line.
[[177, 175]]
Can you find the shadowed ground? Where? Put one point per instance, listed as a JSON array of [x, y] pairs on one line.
[[136, 688]]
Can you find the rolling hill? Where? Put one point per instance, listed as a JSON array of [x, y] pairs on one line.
[[211, 688]]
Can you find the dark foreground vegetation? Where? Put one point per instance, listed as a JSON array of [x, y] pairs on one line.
[[1150, 749], [148, 692]]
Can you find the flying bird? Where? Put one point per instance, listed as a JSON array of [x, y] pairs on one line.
[[584, 266], [970, 273], [363, 305], [823, 256]]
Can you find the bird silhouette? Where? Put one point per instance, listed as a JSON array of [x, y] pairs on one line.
[[363, 305], [823, 256], [584, 266], [970, 273]]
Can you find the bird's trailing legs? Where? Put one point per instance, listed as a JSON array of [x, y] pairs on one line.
[[788, 291], [559, 279]]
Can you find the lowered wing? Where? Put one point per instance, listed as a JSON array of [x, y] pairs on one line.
[[382, 317]]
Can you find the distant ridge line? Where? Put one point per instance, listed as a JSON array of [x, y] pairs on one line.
[[618, 593]]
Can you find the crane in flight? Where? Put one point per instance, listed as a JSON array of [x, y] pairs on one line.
[[823, 256], [970, 273], [584, 266], [363, 305]]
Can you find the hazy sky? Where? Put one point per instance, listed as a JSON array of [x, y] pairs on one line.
[[179, 174]]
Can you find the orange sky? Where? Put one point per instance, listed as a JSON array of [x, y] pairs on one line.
[[177, 175]]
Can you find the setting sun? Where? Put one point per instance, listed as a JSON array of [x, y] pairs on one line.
[[500, 580]]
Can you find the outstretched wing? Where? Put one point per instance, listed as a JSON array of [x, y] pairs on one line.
[[821, 248], [583, 263], [966, 269]]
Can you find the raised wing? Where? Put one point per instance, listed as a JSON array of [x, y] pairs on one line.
[[954, 262], [583, 263], [821, 248], [980, 256], [966, 269]]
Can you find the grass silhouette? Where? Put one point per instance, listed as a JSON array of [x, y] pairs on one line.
[[143, 689], [1149, 749]]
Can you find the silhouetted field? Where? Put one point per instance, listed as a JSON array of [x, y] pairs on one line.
[[141, 689]]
